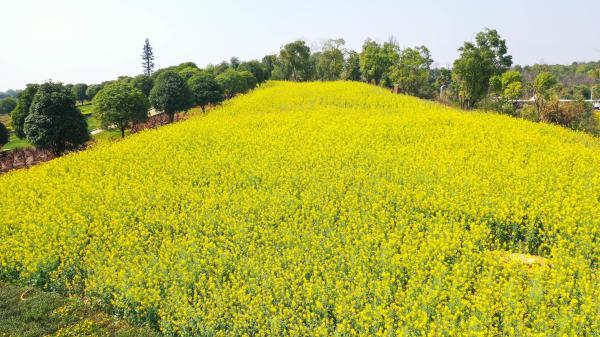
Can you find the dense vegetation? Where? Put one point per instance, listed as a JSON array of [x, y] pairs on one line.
[[321, 209], [29, 312]]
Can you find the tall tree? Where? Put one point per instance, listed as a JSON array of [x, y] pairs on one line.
[[330, 62], [411, 73], [268, 63], [148, 58], [477, 63], [205, 90], [170, 94], [295, 61], [79, 90], [352, 67], [234, 62], [122, 105], [53, 122], [21, 111], [542, 86], [376, 60]]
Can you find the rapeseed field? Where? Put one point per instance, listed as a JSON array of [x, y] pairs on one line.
[[321, 209]]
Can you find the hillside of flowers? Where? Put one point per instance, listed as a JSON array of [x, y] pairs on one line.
[[321, 209]]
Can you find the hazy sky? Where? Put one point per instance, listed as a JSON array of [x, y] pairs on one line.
[[91, 41]]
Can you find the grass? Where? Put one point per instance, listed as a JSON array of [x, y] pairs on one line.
[[92, 122], [86, 109], [29, 312], [15, 143]]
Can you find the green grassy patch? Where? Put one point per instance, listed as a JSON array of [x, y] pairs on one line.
[[29, 312], [15, 143], [92, 122]]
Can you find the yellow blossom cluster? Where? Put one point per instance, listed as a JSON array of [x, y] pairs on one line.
[[321, 209]]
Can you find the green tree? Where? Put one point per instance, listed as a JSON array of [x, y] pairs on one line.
[[4, 135], [352, 67], [80, 92], [330, 62], [411, 73], [268, 63], [170, 94], [477, 63], [295, 61], [21, 111], [542, 89], [92, 90], [187, 72], [122, 105], [53, 122], [376, 60], [249, 80], [147, 58], [257, 69], [504, 89], [232, 83], [205, 90], [7, 105], [234, 62], [143, 83]]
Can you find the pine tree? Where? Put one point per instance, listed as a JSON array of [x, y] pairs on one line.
[[148, 58]]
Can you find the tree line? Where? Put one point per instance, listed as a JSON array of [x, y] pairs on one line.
[[483, 76]]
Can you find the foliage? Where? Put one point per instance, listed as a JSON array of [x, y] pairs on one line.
[[294, 60], [257, 69], [232, 83], [249, 80], [7, 105], [576, 115], [477, 63], [411, 73], [53, 122], [351, 70], [121, 105], [143, 83], [4, 135], [25, 311], [147, 58], [80, 92], [330, 61], [376, 60], [170, 94], [92, 90], [205, 90], [21, 111], [505, 89], [542, 86], [322, 209]]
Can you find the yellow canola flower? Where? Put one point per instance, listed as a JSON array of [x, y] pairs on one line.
[[330, 209]]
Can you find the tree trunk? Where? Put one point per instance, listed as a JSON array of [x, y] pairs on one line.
[[122, 132]]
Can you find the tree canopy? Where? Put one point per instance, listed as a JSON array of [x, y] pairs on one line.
[[205, 89], [122, 105], [53, 122], [7, 105], [21, 111], [477, 63], [170, 94]]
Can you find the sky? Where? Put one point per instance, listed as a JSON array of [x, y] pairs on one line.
[[90, 41]]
